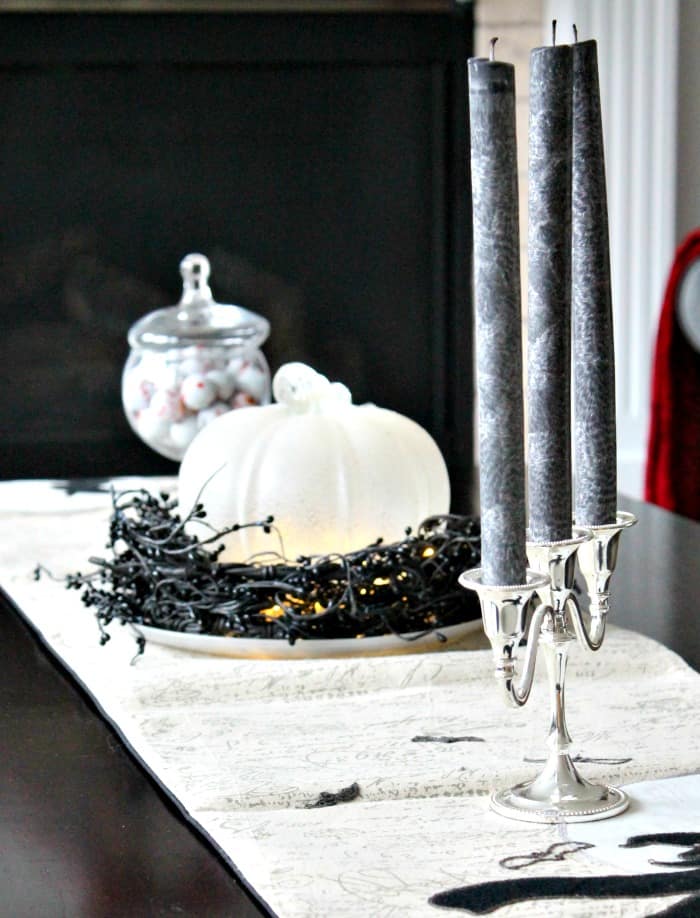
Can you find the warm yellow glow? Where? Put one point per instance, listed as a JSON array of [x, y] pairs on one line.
[[428, 552], [318, 607], [381, 581], [273, 612]]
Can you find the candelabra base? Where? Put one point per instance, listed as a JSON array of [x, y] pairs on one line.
[[559, 794]]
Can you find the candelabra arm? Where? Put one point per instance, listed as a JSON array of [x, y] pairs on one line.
[[517, 690], [590, 638], [504, 611]]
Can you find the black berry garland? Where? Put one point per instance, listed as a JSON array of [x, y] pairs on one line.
[[162, 575]]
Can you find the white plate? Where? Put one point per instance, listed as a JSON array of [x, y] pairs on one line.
[[268, 649]]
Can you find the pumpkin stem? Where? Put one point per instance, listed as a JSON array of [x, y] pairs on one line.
[[300, 387]]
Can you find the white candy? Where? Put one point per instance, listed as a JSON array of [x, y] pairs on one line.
[[252, 380], [151, 426], [168, 377], [197, 391], [166, 404], [225, 383], [159, 370], [184, 432], [194, 364], [210, 414], [242, 400], [148, 364], [201, 359], [235, 364], [137, 393]]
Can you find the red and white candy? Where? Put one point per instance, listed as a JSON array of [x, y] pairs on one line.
[[242, 400], [253, 380], [184, 432], [225, 383], [210, 414], [169, 398], [197, 391], [167, 404]]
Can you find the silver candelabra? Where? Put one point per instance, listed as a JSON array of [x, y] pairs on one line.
[[558, 793]]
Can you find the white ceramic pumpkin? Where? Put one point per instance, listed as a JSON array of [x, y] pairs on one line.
[[334, 475]]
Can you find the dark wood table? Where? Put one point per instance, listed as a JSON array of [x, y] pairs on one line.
[[657, 581], [87, 832]]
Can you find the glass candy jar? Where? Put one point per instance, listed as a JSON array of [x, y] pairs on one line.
[[192, 362]]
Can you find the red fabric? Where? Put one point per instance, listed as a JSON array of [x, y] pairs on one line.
[[673, 457]]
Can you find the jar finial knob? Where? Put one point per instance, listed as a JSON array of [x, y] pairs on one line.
[[195, 270]]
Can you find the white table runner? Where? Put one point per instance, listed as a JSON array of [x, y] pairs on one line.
[[245, 745]]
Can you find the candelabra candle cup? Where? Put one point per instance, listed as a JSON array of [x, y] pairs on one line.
[[559, 793], [504, 612], [557, 561], [598, 558]]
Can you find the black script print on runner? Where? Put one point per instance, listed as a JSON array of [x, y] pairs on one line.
[[556, 852], [448, 739], [481, 898], [328, 798]]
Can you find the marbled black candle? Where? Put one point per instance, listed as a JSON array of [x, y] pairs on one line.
[[549, 294], [594, 356], [498, 320]]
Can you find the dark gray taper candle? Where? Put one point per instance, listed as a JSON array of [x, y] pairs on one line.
[[594, 355], [498, 320], [549, 294]]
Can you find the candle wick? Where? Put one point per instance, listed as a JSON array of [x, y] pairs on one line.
[[492, 52], [554, 32], [575, 33]]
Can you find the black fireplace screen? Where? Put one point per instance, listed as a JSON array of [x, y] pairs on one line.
[[319, 161]]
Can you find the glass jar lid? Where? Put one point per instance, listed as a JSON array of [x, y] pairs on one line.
[[198, 318]]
